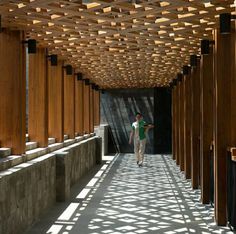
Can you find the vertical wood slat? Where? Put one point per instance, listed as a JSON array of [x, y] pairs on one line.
[[224, 75], [79, 108], [195, 126], [206, 127], [56, 102], [173, 122], [91, 106], [38, 98], [69, 105], [86, 106], [96, 108], [13, 91], [181, 125], [187, 126]]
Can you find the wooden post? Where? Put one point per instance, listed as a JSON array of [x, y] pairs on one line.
[[206, 127], [86, 98], [38, 98], [79, 108], [195, 126], [178, 123], [173, 122], [56, 102], [187, 126], [69, 105], [181, 125], [96, 108], [224, 124], [91, 105], [13, 91]]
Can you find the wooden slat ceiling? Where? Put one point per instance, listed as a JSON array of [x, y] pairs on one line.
[[119, 43]]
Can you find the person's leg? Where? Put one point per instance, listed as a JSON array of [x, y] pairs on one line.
[[142, 150], [136, 149]]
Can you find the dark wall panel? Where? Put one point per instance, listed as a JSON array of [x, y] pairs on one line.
[[118, 107]]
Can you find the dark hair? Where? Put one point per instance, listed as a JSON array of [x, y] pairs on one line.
[[138, 113]]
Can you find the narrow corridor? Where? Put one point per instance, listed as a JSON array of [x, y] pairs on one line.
[[124, 199]]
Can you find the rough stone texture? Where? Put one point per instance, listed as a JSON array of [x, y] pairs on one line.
[[26, 191], [29, 189]]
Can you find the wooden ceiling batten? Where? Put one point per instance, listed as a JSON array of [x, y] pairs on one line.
[[119, 43]]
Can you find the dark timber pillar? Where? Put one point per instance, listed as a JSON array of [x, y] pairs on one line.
[[69, 105], [86, 106], [79, 108], [181, 124], [96, 98], [187, 125], [206, 127], [195, 126], [38, 98], [56, 102], [173, 122], [223, 136], [13, 91], [91, 112]]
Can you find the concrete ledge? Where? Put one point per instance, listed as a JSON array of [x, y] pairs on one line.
[[28, 189]]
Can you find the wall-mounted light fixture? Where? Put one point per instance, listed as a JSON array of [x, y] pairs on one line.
[[205, 46], [186, 70], [79, 76], [225, 22], [53, 58], [32, 46], [69, 69]]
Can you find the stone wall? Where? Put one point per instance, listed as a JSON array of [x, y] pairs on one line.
[[29, 189]]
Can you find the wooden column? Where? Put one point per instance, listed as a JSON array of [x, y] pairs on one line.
[[195, 126], [56, 102], [69, 105], [79, 108], [206, 127], [86, 98], [173, 122], [181, 124], [225, 125], [13, 91], [96, 108], [187, 126], [38, 98], [91, 106], [178, 123]]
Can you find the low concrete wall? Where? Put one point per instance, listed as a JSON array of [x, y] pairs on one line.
[[29, 189], [102, 131]]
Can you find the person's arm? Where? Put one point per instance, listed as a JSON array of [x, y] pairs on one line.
[[131, 136], [148, 126]]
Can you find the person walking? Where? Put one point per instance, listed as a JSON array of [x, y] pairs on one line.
[[138, 134]]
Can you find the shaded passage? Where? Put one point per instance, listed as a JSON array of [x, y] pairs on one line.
[[123, 198]]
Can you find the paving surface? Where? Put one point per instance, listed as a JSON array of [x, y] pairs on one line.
[[121, 198]]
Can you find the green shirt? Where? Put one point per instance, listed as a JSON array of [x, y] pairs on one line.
[[139, 130]]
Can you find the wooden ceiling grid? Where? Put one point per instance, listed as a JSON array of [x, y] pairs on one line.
[[119, 43]]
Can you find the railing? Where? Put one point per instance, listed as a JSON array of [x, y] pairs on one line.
[[231, 187]]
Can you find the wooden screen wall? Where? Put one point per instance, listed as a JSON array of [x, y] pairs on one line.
[[13, 91]]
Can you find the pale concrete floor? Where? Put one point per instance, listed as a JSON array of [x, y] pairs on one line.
[[122, 198]]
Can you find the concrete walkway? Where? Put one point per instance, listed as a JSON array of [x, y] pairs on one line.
[[122, 198]]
